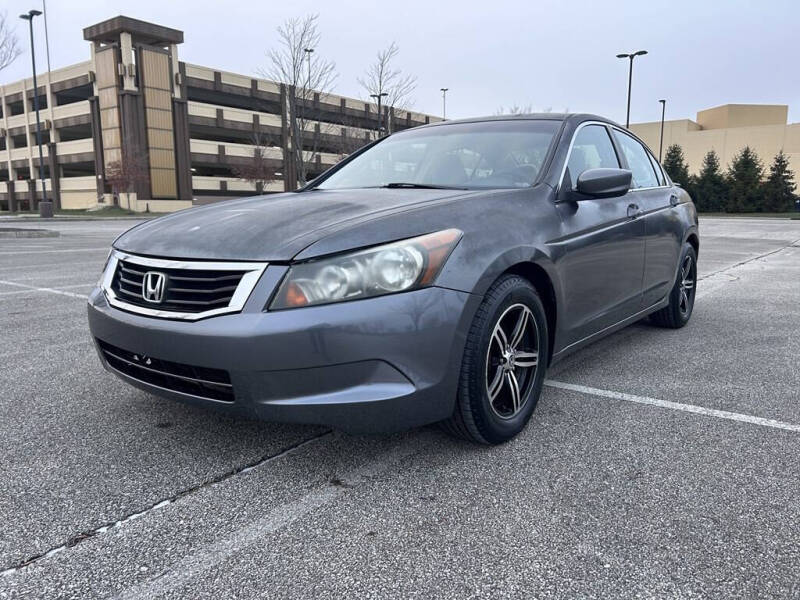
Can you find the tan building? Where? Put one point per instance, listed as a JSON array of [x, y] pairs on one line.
[[727, 129], [194, 129]]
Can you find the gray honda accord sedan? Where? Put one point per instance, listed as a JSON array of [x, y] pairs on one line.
[[433, 276]]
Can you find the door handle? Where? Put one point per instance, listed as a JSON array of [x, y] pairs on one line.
[[633, 211], [673, 200]]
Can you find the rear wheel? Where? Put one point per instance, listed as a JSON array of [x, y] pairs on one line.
[[681, 299], [504, 364]]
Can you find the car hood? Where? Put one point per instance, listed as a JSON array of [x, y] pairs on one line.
[[270, 228]]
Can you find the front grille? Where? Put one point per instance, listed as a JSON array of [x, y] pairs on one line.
[[185, 290], [209, 383]]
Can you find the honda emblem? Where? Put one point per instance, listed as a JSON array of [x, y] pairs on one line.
[[154, 286]]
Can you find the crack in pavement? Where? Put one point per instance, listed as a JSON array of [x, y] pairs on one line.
[[749, 260], [85, 535], [210, 556]]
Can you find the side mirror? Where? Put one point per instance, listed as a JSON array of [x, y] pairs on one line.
[[604, 183]]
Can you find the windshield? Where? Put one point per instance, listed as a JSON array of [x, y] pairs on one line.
[[489, 154]]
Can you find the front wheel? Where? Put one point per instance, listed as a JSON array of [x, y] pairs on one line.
[[681, 298], [504, 363]]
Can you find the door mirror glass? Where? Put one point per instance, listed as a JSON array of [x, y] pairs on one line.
[[604, 183]]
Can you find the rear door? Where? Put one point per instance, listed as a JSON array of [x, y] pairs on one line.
[[654, 197], [602, 241]]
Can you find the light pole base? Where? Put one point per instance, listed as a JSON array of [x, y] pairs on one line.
[[46, 209]]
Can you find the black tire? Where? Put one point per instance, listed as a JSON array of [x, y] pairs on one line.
[[475, 417], [679, 310]]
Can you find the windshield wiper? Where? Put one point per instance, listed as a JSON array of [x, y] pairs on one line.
[[420, 186]]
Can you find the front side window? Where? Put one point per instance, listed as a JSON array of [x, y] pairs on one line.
[[638, 161], [592, 149], [489, 154]]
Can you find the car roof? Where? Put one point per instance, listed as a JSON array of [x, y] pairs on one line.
[[573, 117]]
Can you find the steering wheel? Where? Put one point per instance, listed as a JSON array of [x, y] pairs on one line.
[[521, 174]]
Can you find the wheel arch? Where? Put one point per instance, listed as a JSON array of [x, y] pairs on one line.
[[541, 281], [532, 263], [693, 239]]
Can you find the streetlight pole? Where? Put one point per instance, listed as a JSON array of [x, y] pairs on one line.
[[661, 139], [444, 103], [378, 97], [309, 52], [630, 80], [306, 97], [46, 39], [45, 208]]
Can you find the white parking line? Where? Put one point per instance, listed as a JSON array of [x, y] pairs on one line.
[[164, 503], [44, 289], [46, 267], [208, 557], [692, 408], [193, 565], [49, 277], [57, 251], [48, 290]]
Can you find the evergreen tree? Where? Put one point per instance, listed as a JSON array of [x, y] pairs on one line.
[[676, 167], [779, 188], [709, 187], [744, 182]]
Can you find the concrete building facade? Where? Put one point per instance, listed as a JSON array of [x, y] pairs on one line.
[[194, 130], [727, 129]]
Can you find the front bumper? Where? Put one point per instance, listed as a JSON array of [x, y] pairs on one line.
[[372, 365]]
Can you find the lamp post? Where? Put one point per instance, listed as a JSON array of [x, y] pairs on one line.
[[45, 207], [306, 97], [661, 139], [378, 97], [444, 103], [309, 52], [630, 80]]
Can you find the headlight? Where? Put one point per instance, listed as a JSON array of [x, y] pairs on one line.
[[396, 267], [105, 266]]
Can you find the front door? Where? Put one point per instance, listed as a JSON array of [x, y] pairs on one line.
[[602, 258], [662, 226]]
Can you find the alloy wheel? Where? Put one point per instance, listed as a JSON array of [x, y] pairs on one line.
[[686, 286], [512, 360]]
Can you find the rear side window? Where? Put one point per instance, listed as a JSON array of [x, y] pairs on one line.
[[659, 172], [591, 149], [638, 161]]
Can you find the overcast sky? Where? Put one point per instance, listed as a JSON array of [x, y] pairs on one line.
[[548, 54]]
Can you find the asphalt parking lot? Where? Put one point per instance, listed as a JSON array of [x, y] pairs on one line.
[[659, 463]]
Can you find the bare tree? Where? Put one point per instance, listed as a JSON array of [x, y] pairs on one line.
[[515, 109], [351, 138], [9, 44], [381, 77], [123, 175], [260, 169], [297, 64]]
